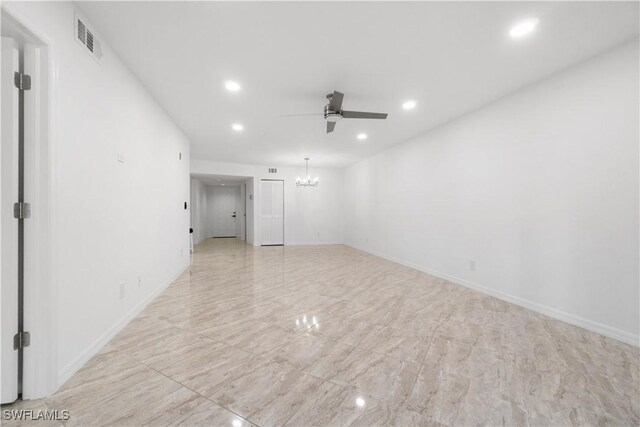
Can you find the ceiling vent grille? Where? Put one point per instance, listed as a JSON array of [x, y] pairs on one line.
[[273, 170], [87, 38], [90, 40], [82, 32]]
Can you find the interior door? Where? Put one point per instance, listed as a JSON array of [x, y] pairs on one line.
[[9, 161], [272, 212], [224, 211]]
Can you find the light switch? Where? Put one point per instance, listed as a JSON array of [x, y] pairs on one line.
[[121, 157]]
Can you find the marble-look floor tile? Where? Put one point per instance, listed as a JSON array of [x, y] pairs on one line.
[[552, 394], [332, 336], [382, 377], [267, 395], [462, 384], [124, 391], [259, 338], [401, 344], [159, 407], [205, 370], [312, 354], [348, 331], [477, 334], [351, 310], [335, 405], [208, 413], [412, 314]]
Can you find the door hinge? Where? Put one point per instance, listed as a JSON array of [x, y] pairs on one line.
[[21, 210], [21, 340], [22, 81]]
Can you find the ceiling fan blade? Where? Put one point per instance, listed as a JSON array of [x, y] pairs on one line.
[[336, 101], [300, 115], [331, 126], [363, 115]]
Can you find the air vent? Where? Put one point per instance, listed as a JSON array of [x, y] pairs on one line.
[[82, 32], [87, 38], [273, 170], [90, 40]]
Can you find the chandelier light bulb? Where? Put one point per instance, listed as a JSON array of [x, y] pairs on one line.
[[307, 181]]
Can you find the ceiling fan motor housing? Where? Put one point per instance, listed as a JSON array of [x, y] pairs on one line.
[[330, 115]]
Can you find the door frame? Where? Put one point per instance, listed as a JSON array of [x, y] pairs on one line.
[[242, 202], [40, 376], [283, 212], [243, 194], [9, 227]]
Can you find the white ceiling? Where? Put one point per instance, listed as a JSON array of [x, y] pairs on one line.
[[452, 57], [226, 180]]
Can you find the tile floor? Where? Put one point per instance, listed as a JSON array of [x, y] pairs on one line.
[[329, 335]]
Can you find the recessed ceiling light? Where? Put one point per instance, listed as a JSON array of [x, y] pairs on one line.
[[523, 28], [362, 136], [232, 86], [409, 105], [237, 127]]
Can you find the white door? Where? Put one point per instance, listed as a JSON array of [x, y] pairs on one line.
[[224, 211], [272, 212], [8, 224]]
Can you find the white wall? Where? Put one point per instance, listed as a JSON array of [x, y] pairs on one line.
[[199, 210], [540, 189], [312, 215], [112, 222]]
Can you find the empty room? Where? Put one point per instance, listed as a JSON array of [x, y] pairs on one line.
[[320, 213]]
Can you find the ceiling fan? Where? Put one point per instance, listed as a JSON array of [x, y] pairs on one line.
[[333, 112]]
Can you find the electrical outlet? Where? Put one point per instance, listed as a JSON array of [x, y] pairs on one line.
[[139, 281], [472, 265], [122, 285]]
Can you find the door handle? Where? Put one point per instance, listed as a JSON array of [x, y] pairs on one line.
[[233, 216]]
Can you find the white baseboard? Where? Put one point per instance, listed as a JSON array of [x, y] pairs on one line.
[[72, 367], [597, 327]]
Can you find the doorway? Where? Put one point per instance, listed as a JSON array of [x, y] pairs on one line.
[[219, 207], [225, 209], [272, 212]]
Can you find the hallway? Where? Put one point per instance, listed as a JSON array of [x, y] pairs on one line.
[[340, 337]]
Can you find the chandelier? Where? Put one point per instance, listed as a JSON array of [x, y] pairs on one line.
[[307, 181]]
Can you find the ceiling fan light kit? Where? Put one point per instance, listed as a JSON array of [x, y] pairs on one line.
[[333, 112]]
